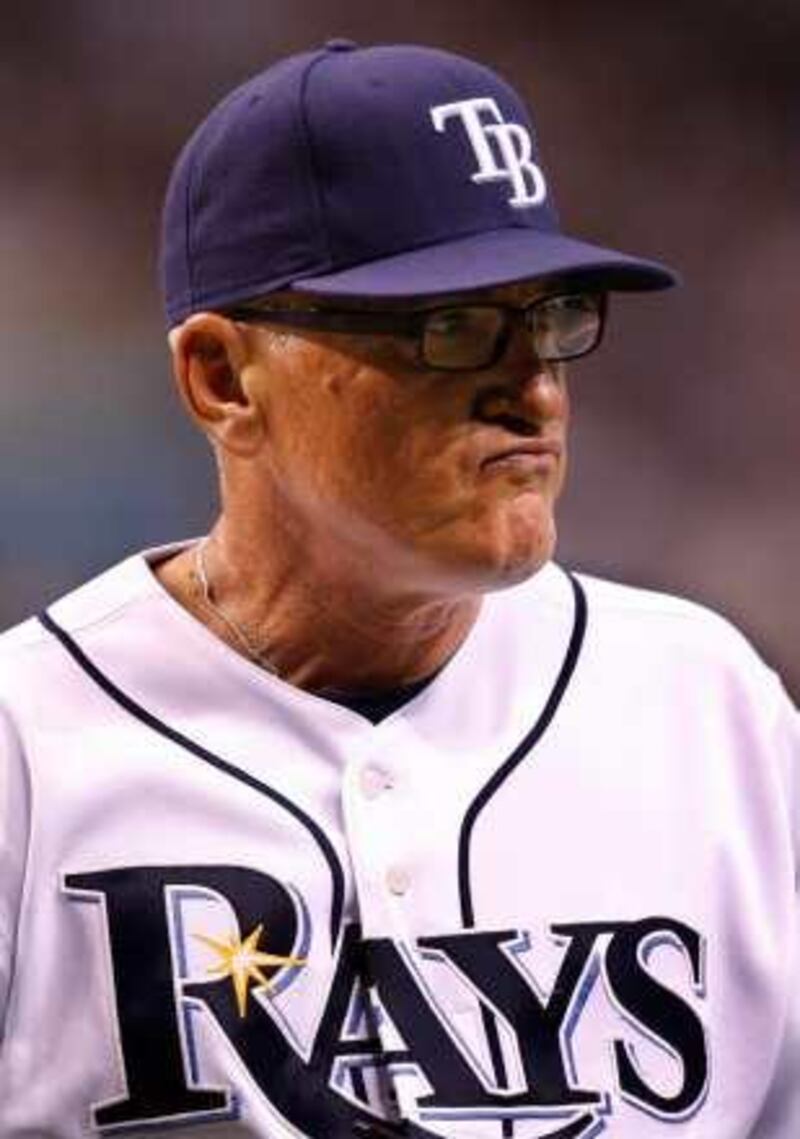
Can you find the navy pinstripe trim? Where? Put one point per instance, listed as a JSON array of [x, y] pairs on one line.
[[488, 790], [149, 720], [519, 753]]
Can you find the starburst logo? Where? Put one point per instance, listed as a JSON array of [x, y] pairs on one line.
[[241, 960]]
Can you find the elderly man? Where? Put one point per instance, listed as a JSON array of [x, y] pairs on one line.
[[360, 816]]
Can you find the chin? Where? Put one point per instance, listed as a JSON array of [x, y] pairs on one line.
[[519, 546], [493, 565], [518, 569]]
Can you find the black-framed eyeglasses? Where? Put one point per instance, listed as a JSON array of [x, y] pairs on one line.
[[460, 337]]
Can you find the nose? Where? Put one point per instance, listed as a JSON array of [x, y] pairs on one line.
[[527, 393], [538, 384], [542, 393], [525, 404]]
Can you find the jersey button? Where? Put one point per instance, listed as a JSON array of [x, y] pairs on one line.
[[398, 880], [374, 781]]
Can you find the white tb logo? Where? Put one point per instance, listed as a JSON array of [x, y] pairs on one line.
[[513, 142]]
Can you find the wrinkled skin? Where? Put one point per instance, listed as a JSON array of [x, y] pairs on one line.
[[368, 503]]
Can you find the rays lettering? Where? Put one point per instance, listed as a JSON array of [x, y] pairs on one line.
[[381, 1016]]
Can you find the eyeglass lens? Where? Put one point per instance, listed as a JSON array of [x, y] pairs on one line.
[[469, 337]]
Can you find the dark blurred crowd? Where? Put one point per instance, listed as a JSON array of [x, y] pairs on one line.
[[669, 130]]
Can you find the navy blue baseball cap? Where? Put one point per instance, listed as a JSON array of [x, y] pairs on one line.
[[384, 172]]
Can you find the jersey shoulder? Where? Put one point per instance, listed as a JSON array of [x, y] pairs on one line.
[[30, 656], [653, 623], [636, 603]]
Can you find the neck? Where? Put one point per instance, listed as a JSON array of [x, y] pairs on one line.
[[311, 622]]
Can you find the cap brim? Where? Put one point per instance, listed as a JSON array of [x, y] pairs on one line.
[[484, 260]]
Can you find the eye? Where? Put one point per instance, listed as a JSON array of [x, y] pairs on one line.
[[466, 322], [566, 327], [449, 322], [464, 337]]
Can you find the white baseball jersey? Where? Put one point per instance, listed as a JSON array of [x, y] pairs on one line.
[[552, 895]]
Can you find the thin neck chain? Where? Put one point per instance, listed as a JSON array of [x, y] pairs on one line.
[[259, 656]]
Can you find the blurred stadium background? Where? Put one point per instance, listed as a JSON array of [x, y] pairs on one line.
[[669, 129]]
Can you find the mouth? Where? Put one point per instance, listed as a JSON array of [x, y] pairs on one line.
[[525, 454]]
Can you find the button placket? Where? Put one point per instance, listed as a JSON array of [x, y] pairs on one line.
[[382, 813], [382, 820], [374, 781], [398, 880]]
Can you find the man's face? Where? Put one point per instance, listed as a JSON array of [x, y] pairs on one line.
[[441, 481]]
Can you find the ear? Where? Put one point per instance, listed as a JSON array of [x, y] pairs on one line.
[[209, 356]]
